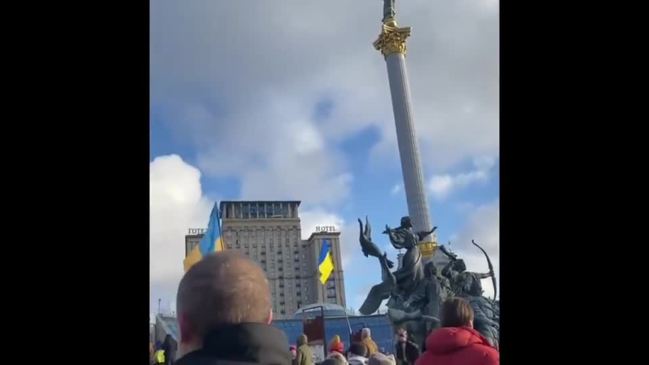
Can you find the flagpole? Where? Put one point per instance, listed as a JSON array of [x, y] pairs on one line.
[[218, 222]]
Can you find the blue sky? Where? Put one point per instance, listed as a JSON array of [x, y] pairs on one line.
[[253, 100]]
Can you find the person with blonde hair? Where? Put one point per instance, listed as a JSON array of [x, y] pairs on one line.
[[366, 339]]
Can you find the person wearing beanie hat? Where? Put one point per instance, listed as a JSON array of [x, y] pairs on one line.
[[336, 345]]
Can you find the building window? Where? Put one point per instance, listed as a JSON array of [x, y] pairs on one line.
[[281, 294], [285, 210], [297, 285], [282, 311], [298, 294], [237, 211]]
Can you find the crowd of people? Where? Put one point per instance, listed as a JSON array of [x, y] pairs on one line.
[[163, 352], [224, 316]]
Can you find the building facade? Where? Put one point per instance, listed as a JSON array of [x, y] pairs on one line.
[[269, 232]]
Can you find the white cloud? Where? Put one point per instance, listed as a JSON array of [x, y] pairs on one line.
[[483, 226], [176, 204], [396, 189], [440, 186], [243, 89]]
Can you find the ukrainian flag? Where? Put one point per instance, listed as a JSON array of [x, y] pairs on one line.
[[326, 262], [211, 241]]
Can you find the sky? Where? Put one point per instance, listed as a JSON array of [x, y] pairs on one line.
[[288, 99]]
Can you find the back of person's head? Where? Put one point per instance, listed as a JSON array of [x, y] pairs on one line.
[[339, 356], [366, 332], [456, 312], [224, 288], [357, 349], [302, 340], [333, 360], [379, 359]]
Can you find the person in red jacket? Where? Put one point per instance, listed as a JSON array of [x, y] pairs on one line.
[[457, 343]]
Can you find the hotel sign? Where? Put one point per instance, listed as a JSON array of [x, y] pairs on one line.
[[195, 231], [325, 229]]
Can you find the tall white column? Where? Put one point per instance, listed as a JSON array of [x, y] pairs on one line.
[[392, 44]]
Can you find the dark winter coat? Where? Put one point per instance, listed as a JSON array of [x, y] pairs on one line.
[[242, 344], [409, 356]]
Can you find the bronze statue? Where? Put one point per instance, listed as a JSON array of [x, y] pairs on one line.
[[415, 291], [413, 296], [403, 279], [468, 285], [464, 282]]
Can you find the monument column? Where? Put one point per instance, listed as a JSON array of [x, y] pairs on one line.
[[392, 44]]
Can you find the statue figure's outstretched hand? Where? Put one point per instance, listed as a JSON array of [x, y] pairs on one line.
[[387, 229]]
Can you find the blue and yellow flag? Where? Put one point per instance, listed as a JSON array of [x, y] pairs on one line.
[[211, 241], [326, 262]]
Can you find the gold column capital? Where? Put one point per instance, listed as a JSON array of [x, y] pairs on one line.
[[428, 249], [392, 38]]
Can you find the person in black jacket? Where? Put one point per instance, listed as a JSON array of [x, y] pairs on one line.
[[224, 314], [407, 351], [169, 347]]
